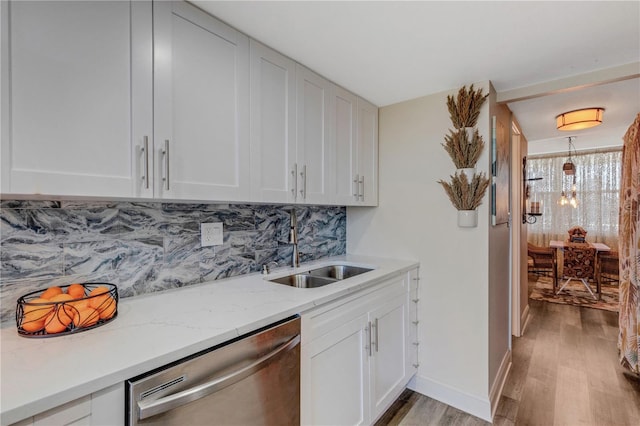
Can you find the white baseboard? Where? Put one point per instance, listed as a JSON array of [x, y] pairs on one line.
[[472, 404], [499, 381], [524, 320]]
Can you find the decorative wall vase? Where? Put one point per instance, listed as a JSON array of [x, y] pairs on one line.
[[468, 218], [467, 171], [469, 131]]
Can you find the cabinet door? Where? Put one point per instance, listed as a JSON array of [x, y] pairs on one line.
[[107, 406], [76, 102], [273, 126], [314, 151], [201, 105], [344, 131], [389, 361], [335, 376], [367, 153]]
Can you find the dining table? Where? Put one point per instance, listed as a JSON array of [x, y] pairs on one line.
[[600, 247], [562, 244]]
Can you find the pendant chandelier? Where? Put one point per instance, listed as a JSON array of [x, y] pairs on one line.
[[569, 169]]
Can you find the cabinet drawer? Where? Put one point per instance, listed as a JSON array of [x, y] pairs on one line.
[[326, 318], [75, 413]]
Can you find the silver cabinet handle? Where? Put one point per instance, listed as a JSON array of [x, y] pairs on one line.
[[415, 300], [294, 184], [377, 341], [148, 409], [357, 187], [165, 152], [415, 322], [303, 175], [361, 187], [370, 339], [415, 365], [145, 159]]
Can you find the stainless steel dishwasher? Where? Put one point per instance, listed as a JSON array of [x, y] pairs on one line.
[[253, 380]]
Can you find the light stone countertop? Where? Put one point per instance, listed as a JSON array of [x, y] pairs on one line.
[[156, 329]]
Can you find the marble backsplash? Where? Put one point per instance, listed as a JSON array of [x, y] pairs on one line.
[[149, 247]]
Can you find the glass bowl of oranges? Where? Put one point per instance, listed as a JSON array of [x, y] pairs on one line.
[[58, 311]]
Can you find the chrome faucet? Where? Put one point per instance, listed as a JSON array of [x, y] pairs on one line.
[[293, 239], [266, 268]]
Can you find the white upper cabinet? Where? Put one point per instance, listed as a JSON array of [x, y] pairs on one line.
[[355, 137], [367, 154], [314, 165], [201, 106], [273, 126], [346, 146], [160, 100], [76, 97]]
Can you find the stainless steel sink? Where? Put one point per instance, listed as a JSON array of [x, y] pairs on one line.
[[321, 276], [304, 281], [339, 272]]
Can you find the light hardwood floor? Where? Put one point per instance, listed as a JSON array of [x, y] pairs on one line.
[[565, 372]]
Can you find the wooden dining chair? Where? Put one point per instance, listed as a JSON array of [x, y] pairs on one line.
[[580, 264], [608, 267], [543, 262], [577, 234]]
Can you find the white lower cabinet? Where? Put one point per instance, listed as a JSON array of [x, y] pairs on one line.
[[414, 323], [389, 353], [335, 376], [355, 355], [102, 408]]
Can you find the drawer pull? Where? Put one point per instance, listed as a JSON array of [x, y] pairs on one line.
[[376, 326], [294, 184], [416, 343], [416, 279], [415, 300], [415, 322], [416, 365]]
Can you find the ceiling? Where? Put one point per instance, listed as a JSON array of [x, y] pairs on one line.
[[392, 51]]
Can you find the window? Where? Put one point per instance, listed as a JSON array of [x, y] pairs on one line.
[[598, 176]]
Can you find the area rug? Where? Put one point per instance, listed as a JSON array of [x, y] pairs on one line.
[[575, 294]]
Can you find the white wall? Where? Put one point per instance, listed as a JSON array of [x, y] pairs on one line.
[[416, 220]]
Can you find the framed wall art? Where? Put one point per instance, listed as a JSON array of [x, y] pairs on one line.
[[499, 173]]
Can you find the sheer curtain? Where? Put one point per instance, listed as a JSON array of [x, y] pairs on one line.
[[598, 176]]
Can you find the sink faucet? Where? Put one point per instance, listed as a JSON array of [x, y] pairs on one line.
[[293, 239], [266, 268]]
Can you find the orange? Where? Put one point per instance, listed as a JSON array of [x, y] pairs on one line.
[[95, 300], [62, 297], [85, 317], [76, 291], [50, 292], [108, 308], [32, 326], [79, 304], [57, 321], [34, 314], [37, 308]]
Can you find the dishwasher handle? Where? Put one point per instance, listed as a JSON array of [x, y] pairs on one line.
[[148, 409]]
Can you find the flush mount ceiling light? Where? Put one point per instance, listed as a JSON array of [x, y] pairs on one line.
[[579, 119]]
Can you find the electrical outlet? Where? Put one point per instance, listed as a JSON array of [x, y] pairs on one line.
[[211, 234]]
